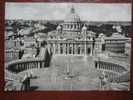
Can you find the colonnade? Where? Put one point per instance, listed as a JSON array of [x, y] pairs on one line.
[[112, 71], [20, 65], [109, 66]]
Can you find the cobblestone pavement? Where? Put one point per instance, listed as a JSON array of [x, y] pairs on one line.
[[83, 75]]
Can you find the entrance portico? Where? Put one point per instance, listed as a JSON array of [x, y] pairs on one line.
[[80, 47]]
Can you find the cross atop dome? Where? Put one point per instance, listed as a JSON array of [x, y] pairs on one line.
[[72, 9]]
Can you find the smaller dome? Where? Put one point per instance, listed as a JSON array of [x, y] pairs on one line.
[[101, 35], [84, 28], [59, 27], [127, 44]]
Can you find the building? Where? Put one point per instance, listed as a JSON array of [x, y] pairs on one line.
[[128, 47], [115, 43], [71, 37]]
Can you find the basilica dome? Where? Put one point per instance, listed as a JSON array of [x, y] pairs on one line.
[[72, 22]]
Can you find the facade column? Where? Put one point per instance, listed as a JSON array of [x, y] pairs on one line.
[[65, 26], [75, 48], [69, 26], [58, 48], [91, 52], [73, 26], [76, 26], [54, 48], [80, 49], [64, 48], [67, 48], [79, 26], [85, 48], [72, 48]]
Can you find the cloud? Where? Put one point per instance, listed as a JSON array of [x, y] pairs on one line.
[[51, 11]]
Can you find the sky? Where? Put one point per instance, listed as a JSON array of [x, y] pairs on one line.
[[58, 11]]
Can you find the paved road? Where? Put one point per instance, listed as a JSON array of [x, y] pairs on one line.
[[82, 72]]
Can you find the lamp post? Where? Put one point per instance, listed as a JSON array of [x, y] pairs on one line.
[[68, 69], [104, 83], [69, 73], [101, 77]]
